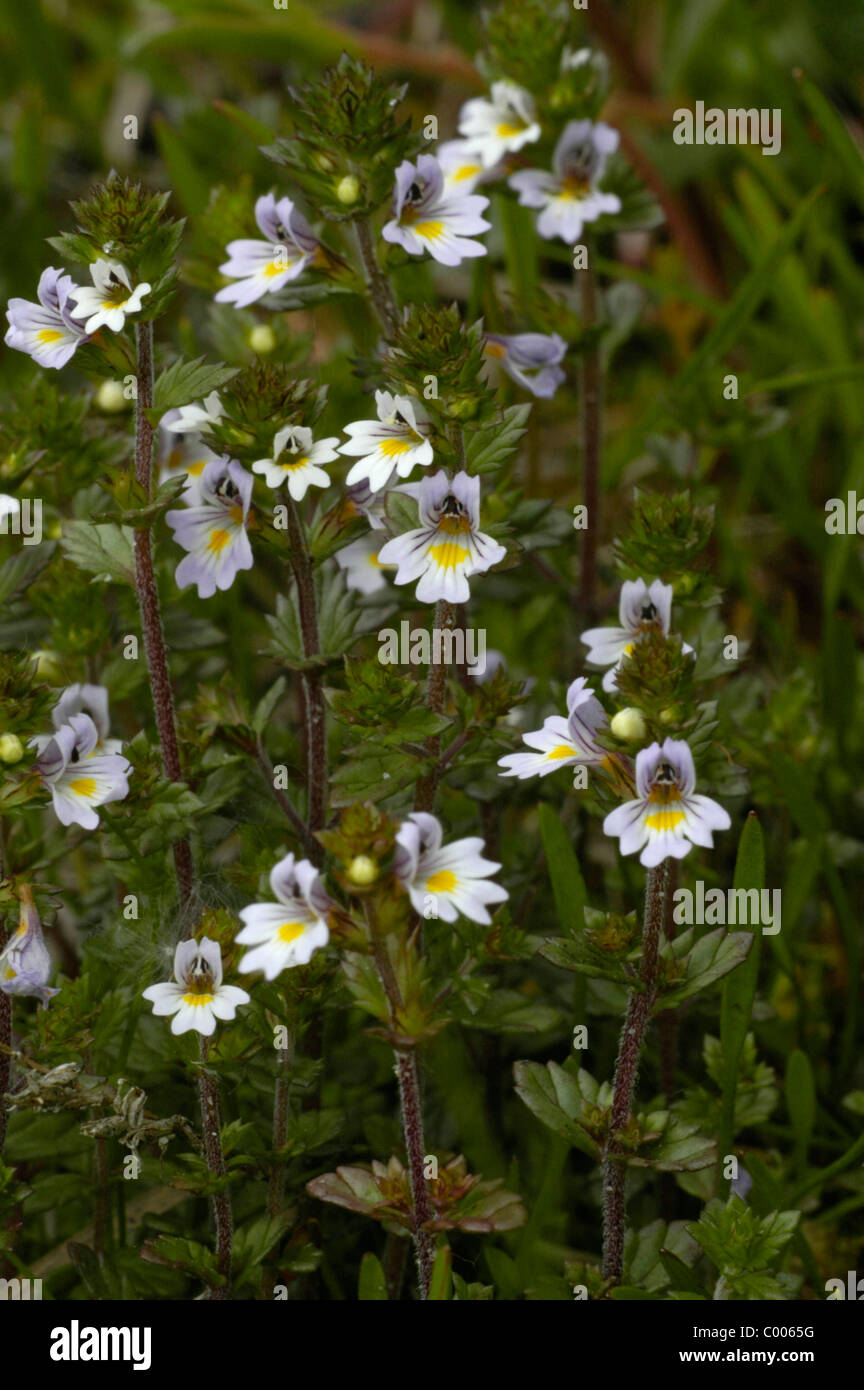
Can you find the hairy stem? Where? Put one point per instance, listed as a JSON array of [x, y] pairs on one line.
[[285, 1062], [148, 605], [220, 1202], [411, 1108], [316, 717], [590, 384], [436, 685], [380, 290], [310, 844], [639, 1006]]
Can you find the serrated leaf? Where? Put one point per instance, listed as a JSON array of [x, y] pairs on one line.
[[185, 382], [713, 956], [18, 572], [489, 447], [554, 1097], [105, 551]]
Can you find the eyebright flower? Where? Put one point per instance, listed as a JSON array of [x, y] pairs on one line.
[[198, 998], [448, 546], [370, 504], [360, 564], [79, 773], [214, 532], [25, 963], [500, 125], [568, 196], [427, 216], [462, 164], [263, 267], [562, 742], [296, 460], [91, 700], [188, 419], [287, 932], [531, 359], [666, 817], [181, 448], [455, 875], [47, 330], [111, 299], [640, 608], [395, 440]]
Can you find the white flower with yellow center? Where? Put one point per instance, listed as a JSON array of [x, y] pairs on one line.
[[78, 775], [569, 195], [562, 742], [431, 215], [297, 460], [666, 817], [92, 700], [47, 330], [214, 532], [196, 996], [499, 124], [110, 300], [456, 876], [448, 546], [286, 933], [462, 164], [397, 439], [361, 566], [263, 267], [641, 608]]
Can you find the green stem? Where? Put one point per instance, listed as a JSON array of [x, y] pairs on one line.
[[379, 287]]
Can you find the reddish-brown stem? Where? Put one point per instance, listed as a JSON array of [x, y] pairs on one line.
[[380, 290], [316, 714], [310, 844], [590, 379], [639, 1006], [436, 685], [148, 605], [220, 1202]]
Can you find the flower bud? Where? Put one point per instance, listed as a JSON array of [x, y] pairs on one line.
[[362, 870], [348, 189], [668, 715], [628, 725], [11, 748], [262, 339], [110, 397]]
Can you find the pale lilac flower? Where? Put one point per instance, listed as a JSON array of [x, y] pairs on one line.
[[196, 996], [110, 300], [640, 610], [360, 564], [47, 330], [563, 742], [263, 267], [91, 700], [455, 875], [214, 532], [287, 932], [181, 448], [79, 775], [448, 546], [25, 964], [395, 440], [569, 196], [191, 419], [462, 165], [429, 217], [531, 359], [500, 124], [297, 460], [369, 504], [666, 817]]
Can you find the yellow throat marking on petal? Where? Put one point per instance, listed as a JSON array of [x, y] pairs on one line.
[[236, 514], [49, 335], [376, 563], [663, 793], [298, 463], [22, 928], [664, 820], [495, 350], [442, 882], [83, 786], [432, 230], [218, 541], [454, 525], [391, 448], [563, 750], [196, 468], [507, 128], [9, 973], [466, 171], [575, 188], [448, 555], [289, 931], [198, 1000], [275, 268]]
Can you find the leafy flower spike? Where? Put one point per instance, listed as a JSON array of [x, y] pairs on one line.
[[562, 742], [263, 267], [640, 608], [47, 330], [287, 932], [214, 532], [456, 876], [666, 817], [196, 996], [430, 216], [78, 774], [448, 546], [568, 196]]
